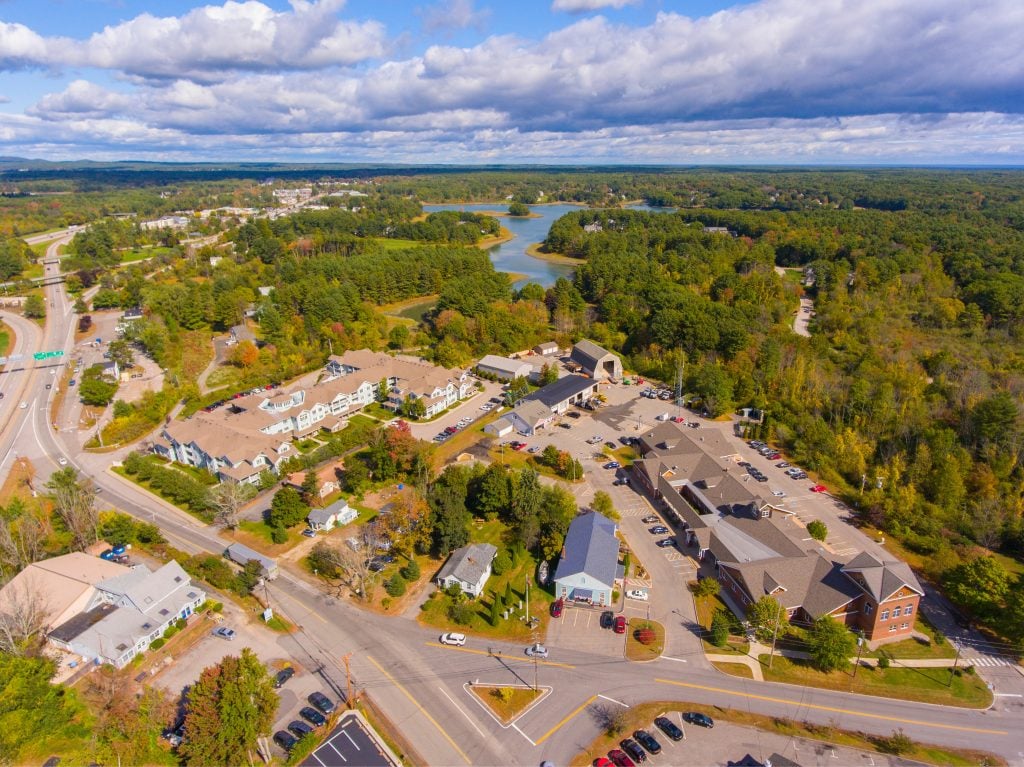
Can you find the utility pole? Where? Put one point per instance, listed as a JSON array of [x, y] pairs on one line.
[[952, 671], [775, 634], [348, 679], [528, 599], [860, 648]]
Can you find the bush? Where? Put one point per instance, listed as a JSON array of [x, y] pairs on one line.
[[454, 590], [502, 563], [171, 631], [897, 743], [720, 629], [645, 636], [706, 587], [411, 571], [461, 613], [157, 643], [395, 585], [181, 623], [883, 661], [817, 530], [217, 607], [278, 535]]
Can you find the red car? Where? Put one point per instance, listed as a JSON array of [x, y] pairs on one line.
[[678, 419], [519, 445], [775, 456], [619, 758], [556, 608], [819, 489], [620, 624], [603, 762]]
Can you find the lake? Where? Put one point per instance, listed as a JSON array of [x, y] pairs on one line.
[[511, 256]]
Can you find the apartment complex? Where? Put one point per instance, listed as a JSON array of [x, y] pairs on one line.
[[251, 434], [758, 548]]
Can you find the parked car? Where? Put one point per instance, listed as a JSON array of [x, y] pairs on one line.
[[702, 720], [564, 425], [631, 747], [607, 619], [610, 445], [819, 489], [678, 419], [650, 519], [299, 729], [658, 530], [621, 481], [594, 440], [613, 465], [648, 741], [665, 543], [453, 638], [619, 758], [670, 728], [574, 414], [783, 465], [322, 702], [603, 761], [309, 532], [537, 650], [556, 608], [774, 456], [283, 676], [224, 633], [620, 624], [285, 740], [640, 594], [313, 716], [778, 493]]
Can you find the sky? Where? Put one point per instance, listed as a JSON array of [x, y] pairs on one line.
[[892, 82]]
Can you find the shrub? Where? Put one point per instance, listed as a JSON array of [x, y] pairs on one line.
[[883, 661], [171, 631], [645, 636], [502, 563], [411, 571], [454, 590], [217, 607], [395, 585], [461, 613], [386, 602], [897, 743], [157, 643], [504, 694], [278, 535], [817, 530], [181, 623], [720, 629]]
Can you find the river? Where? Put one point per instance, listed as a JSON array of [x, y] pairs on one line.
[[511, 256]]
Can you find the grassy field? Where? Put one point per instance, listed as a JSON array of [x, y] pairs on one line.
[[913, 648], [643, 714], [706, 608], [927, 685], [734, 669]]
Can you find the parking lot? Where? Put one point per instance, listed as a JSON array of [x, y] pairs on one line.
[[580, 629], [351, 742]]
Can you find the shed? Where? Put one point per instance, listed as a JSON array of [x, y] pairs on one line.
[[546, 349], [501, 427], [240, 554]]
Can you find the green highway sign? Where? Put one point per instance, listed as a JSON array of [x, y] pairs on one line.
[[47, 355]]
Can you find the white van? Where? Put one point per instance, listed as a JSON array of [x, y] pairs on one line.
[[664, 417]]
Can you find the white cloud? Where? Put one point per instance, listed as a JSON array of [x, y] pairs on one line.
[[454, 14], [584, 6]]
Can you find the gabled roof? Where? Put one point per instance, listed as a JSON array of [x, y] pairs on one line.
[[469, 563], [881, 579], [533, 412], [588, 354], [812, 582], [559, 391], [590, 548]]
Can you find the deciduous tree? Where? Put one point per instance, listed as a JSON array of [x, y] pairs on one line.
[[831, 644]]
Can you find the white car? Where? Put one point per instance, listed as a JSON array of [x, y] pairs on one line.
[[640, 594], [62, 461], [23, 405], [453, 639], [779, 493]]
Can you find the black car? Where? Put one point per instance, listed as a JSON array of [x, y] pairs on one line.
[[607, 619], [313, 716], [283, 676], [285, 740], [668, 727], [299, 729], [632, 748], [665, 543], [322, 702], [699, 719], [648, 741]]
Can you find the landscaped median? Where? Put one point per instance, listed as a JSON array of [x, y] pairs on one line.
[[641, 716], [507, 702], [645, 640]]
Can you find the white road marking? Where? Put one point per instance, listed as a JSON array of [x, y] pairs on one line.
[[677, 660], [619, 702]]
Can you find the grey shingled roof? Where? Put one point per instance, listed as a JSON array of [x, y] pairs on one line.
[[590, 548], [533, 412], [882, 579], [469, 563], [812, 582], [320, 516], [559, 391]]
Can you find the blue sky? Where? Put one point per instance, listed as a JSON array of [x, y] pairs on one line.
[[531, 81]]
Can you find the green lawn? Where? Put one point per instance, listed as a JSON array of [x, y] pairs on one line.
[[927, 685], [914, 648], [506, 710], [435, 610], [130, 256], [635, 649], [706, 608], [389, 243]]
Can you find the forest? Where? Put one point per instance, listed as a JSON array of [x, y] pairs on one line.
[[905, 399]]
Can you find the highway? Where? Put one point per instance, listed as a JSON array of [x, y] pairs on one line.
[[418, 684]]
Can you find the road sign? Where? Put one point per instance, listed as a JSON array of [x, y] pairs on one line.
[[47, 355]]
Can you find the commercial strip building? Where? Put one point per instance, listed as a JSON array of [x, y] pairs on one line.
[[758, 548], [253, 433], [102, 611]]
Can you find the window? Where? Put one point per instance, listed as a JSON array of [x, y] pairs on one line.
[[885, 615], [892, 628], [896, 611], [869, 608], [908, 609], [904, 625]]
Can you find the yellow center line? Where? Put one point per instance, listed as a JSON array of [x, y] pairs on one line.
[[421, 709], [497, 655], [569, 716], [832, 709]]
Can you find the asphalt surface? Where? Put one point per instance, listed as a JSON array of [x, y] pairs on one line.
[[350, 744], [420, 685]]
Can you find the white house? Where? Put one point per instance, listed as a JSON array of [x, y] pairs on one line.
[[470, 567], [337, 514]]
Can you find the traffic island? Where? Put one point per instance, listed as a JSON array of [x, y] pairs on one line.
[[645, 640], [507, 702]]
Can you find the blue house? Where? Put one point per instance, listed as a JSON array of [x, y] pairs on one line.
[[589, 565]]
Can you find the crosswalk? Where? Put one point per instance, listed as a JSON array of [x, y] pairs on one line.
[[987, 660]]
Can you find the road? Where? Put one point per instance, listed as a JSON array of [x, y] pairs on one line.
[[419, 685]]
